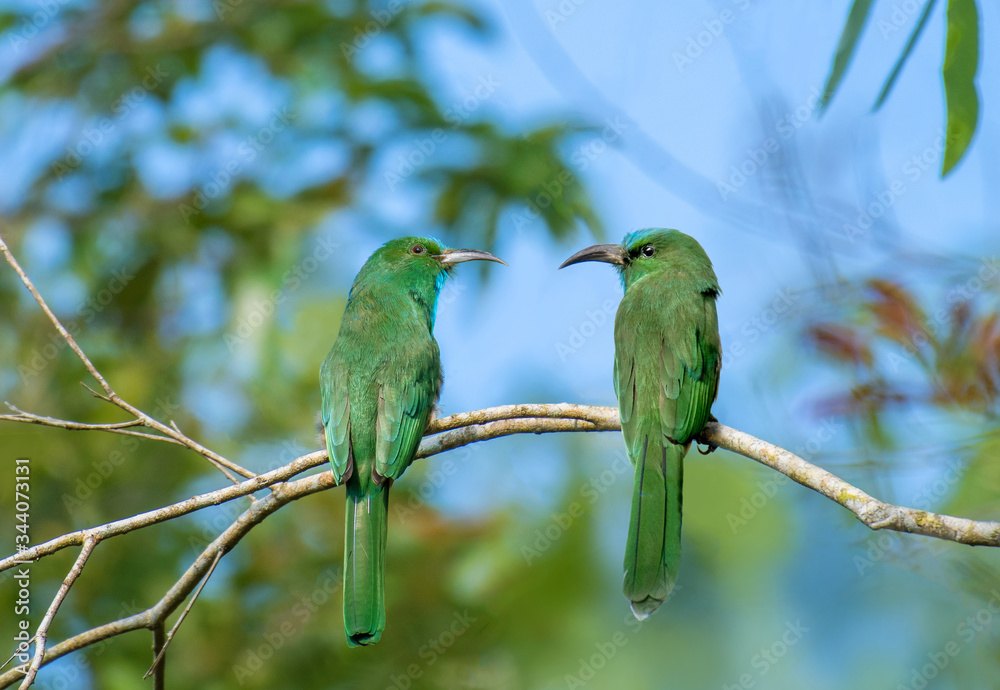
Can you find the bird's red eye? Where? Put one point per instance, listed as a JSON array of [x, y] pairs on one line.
[[417, 249]]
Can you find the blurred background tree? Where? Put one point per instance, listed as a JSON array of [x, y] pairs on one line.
[[194, 184]]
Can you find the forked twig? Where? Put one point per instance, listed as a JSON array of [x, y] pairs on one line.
[[184, 613]]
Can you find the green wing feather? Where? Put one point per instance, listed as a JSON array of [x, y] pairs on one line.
[[336, 413], [403, 412], [689, 379]]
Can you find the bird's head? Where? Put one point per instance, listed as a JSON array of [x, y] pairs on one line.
[[419, 263], [654, 251], [427, 253]]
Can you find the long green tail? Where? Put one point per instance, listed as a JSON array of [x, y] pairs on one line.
[[653, 551], [364, 563]]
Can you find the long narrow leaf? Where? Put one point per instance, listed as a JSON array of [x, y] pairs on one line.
[[856, 19], [961, 60], [917, 30]]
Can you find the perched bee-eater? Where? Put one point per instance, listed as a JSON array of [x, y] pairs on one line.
[[667, 361], [379, 385]]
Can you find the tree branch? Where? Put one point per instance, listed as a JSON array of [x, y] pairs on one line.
[[481, 425], [874, 513], [154, 617], [157, 666], [153, 517], [465, 428], [446, 434]]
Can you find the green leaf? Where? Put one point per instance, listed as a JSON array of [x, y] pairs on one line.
[[845, 48], [961, 60], [917, 30], [468, 17]]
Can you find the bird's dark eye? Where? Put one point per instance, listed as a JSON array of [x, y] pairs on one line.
[[648, 250], [417, 249]]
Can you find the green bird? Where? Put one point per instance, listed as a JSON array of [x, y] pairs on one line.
[[379, 385], [667, 360]]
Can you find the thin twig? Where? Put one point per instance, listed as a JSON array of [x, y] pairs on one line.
[[184, 613], [51, 421], [123, 428], [43, 628], [54, 319], [220, 462], [16, 651]]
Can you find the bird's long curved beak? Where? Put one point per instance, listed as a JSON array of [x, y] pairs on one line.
[[457, 256], [608, 253]]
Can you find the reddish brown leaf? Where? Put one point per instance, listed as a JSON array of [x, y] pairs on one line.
[[840, 343]]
